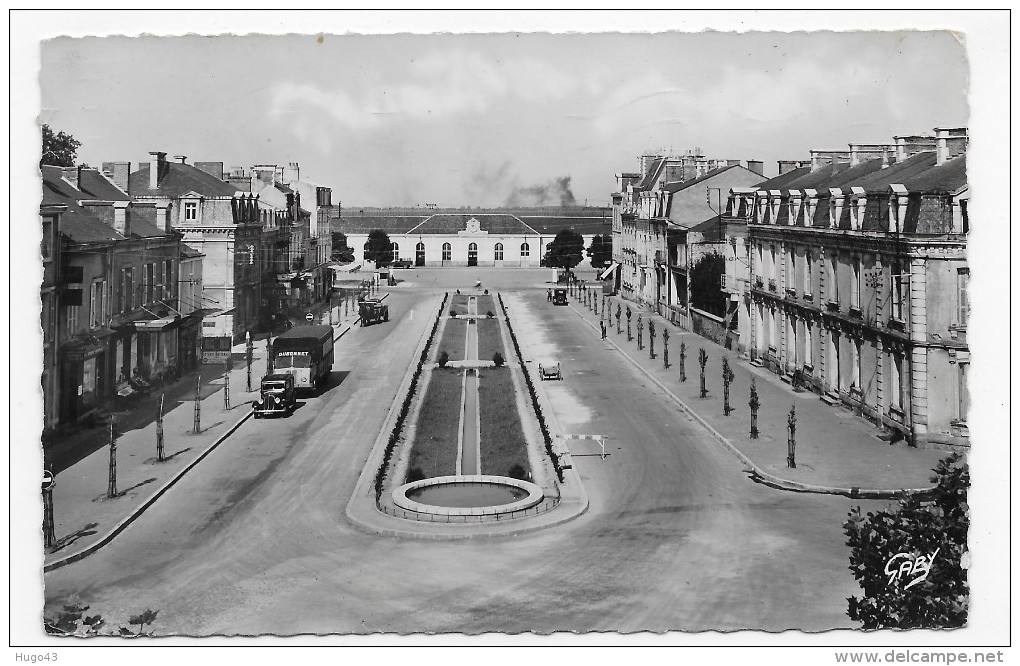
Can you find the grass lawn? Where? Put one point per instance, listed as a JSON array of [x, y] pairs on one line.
[[503, 447], [459, 302], [453, 339], [434, 452], [485, 305], [490, 340]]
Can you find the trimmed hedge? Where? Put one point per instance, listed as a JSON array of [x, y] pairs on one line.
[[546, 437], [391, 445]]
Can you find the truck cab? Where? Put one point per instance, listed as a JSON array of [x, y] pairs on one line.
[[373, 311]]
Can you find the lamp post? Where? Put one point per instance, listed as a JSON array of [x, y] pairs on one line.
[[226, 386], [754, 403], [198, 405], [618, 319], [703, 359], [651, 339], [791, 444], [640, 326], [683, 361], [629, 338]]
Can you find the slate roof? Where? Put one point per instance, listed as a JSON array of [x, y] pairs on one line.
[[493, 223], [551, 225], [684, 184], [188, 252], [652, 175], [948, 177], [176, 179], [79, 223], [363, 224], [98, 186]]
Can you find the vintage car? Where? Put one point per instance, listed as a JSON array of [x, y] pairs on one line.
[[402, 263], [549, 369], [559, 296], [278, 396]]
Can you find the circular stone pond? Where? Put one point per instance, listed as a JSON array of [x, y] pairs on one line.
[[476, 495]]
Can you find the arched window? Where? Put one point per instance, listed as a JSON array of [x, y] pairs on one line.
[[396, 251], [447, 252], [498, 252], [525, 250]]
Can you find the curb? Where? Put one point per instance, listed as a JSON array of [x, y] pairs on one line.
[[375, 455], [120, 527], [757, 473]]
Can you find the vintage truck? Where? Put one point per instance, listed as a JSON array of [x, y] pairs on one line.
[[549, 369], [278, 396], [373, 311]]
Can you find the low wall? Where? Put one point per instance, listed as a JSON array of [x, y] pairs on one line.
[[708, 326]]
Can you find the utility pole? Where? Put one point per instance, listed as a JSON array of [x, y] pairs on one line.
[[754, 404], [247, 355], [703, 359], [640, 326], [665, 347]]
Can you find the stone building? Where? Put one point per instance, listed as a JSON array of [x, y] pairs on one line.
[[858, 281], [483, 238]]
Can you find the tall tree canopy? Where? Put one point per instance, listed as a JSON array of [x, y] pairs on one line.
[[911, 561], [706, 293], [379, 248], [565, 251], [58, 149], [600, 251], [341, 251]]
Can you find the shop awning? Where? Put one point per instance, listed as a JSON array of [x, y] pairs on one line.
[[609, 271], [156, 324]]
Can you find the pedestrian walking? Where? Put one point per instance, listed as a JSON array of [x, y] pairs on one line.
[[602, 324], [548, 295]]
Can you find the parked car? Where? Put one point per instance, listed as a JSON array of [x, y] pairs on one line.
[[402, 263], [559, 296], [278, 396], [549, 369]]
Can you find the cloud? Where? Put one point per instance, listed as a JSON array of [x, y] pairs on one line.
[[442, 85]]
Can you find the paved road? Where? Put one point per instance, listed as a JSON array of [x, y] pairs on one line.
[[676, 537]]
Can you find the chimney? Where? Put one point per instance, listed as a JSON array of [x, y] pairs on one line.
[[950, 142], [214, 169], [156, 162], [120, 221], [72, 175], [291, 173], [181, 158], [907, 146], [757, 166], [730, 163], [118, 173], [785, 166], [163, 222]]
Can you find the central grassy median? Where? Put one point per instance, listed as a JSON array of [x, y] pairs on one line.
[[435, 445], [503, 446]]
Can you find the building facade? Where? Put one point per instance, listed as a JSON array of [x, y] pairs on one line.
[[483, 239], [858, 281]]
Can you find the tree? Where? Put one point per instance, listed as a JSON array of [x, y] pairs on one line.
[[58, 149], [565, 251], [600, 250], [341, 251], [706, 294], [379, 248], [911, 561]]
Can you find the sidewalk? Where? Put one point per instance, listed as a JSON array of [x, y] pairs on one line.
[[86, 519], [836, 451]]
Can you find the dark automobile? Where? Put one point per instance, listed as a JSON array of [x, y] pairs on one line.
[[402, 263], [278, 396], [559, 296]]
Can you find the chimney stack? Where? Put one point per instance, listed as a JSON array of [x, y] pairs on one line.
[[156, 162], [908, 146], [785, 166], [120, 221], [757, 166], [118, 172], [214, 169], [291, 173], [181, 158], [163, 218], [950, 142], [72, 175]]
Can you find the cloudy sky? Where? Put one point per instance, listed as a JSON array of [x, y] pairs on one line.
[[472, 119]]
